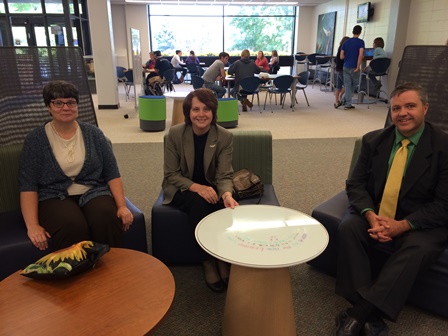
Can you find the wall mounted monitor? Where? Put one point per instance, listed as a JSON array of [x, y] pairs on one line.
[[364, 12]]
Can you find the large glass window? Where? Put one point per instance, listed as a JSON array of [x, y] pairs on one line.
[[24, 6], [54, 7], [208, 30]]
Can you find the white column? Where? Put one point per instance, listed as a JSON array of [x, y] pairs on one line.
[[101, 33]]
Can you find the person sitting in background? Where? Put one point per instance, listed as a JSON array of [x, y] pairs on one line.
[[200, 183], [192, 58], [216, 73], [378, 52], [262, 62], [160, 67], [149, 67], [340, 90], [242, 68], [274, 62], [70, 185], [178, 65]]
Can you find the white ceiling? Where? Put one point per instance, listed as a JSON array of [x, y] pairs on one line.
[[230, 2]]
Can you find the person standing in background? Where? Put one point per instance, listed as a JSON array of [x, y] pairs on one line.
[[340, 90], [352, 53]]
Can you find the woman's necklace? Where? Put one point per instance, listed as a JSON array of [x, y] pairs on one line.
[[68, 144]]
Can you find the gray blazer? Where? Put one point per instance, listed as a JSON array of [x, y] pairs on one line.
[[179, 160]]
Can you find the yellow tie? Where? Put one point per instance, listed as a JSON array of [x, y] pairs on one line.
[[388, 205]]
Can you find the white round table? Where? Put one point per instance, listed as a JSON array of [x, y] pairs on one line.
[[178, 101], [261, 242]]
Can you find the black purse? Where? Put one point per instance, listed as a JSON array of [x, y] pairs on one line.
[[246, 184]]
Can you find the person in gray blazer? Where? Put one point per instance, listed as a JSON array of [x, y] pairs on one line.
[[198, 171], [417, 232]]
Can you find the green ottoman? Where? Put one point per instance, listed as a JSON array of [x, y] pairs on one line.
[[152, 113], [227, 112]]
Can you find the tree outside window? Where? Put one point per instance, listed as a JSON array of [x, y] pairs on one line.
[[208, 30]]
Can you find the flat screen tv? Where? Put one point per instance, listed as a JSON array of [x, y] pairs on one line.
[[364, 12]]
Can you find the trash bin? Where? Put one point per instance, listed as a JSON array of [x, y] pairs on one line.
[[152, 113]]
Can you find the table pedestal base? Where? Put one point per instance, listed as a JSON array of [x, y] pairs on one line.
[[178, 112], [259, 302]]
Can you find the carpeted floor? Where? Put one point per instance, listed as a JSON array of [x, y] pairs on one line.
[[306, 173]]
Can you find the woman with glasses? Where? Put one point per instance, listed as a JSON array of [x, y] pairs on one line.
[[70, 185]]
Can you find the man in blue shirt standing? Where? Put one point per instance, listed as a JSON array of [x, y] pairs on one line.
[[352, 53]]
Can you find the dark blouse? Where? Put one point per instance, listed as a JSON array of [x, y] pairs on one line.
[[199, 149]]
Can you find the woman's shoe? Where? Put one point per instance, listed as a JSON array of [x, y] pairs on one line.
[[339, 103], [217, 287]]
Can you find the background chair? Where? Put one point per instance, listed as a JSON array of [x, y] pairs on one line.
[[303, 83], [282, 86], [192, 70], [197, 82], [379, 68], [168, 78], [312, 65], [301, 59], [249, 86], [323, 65], [121, 75], [129, 82]]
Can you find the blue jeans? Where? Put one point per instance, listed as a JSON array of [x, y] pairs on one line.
[[351, 80], [220, 91]]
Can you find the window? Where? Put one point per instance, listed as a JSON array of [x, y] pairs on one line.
[[208, 30], [24, 6]]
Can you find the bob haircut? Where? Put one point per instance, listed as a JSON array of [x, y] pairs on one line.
[[59, 89], [206, 97]]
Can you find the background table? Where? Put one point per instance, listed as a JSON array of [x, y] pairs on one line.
[[127, 293], [178, 113], [261, 242]]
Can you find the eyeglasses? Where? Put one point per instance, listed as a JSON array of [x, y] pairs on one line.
[[60, 104]]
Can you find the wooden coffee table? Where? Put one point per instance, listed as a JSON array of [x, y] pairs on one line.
[[127, 293]]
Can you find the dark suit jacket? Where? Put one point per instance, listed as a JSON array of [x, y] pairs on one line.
[[179, 160], [423, 198]]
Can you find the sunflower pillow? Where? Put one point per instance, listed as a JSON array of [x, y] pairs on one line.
[[67, 262]]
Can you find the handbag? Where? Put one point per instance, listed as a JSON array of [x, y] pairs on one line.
[[246, 184]]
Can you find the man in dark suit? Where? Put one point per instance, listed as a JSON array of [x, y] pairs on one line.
[[417, 232]]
